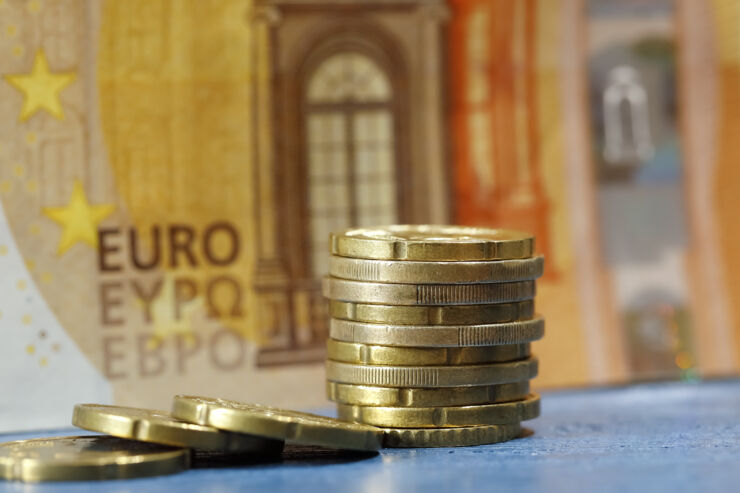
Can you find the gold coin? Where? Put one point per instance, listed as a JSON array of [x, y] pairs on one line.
[[279, 424], [427, 294], [86, 458], [437, 335], [159, 427], [464, 436], [431, 376], [432, 242], [365, 354], [443, 417], [432, 315], [402, 272], [366, 395]]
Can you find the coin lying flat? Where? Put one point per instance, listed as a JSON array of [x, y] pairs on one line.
[[159, 427], [366, 354], [429, 336], [367, 395], [432, 315], [88, 458], [427, 294], [279, 424], [443, 417], [431, 376], [432, 242], [402, 272], [449, 437]]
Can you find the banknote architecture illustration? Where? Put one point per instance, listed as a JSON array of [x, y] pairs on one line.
[[350, 131], [170, 172]]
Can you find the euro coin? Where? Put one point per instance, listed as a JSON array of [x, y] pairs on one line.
[[159, 427], [427, 294], [432, 242], [402, 272], [432, 315], [431, 376], [443, 417], [428, 336], [366, 354], [464, 436], [87, 458], [366, 395], [278, 424]]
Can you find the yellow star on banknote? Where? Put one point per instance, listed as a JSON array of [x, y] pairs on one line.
[[41, 88], [79, 219]]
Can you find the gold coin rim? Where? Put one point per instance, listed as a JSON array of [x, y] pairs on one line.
[[442, 416], [368, 395], [380, 293], [432, 376], [276, 423], [133, 424], [488, 314], [474, 243], [463, 436], [385, 355], [430, 272], [170, 460], [415, 336]]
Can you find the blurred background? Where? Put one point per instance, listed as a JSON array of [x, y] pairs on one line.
[[170, 171]]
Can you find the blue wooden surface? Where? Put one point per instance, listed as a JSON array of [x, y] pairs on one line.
[[656, 437]]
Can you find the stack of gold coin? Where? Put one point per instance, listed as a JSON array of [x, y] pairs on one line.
[[430, 332], [430, 346]]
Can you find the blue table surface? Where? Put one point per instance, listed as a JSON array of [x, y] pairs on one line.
[[651, 437]]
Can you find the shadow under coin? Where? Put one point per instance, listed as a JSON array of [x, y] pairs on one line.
[[311, 455], [293, 455], [204, 459]]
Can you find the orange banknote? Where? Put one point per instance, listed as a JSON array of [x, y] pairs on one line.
[[170, 172]]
